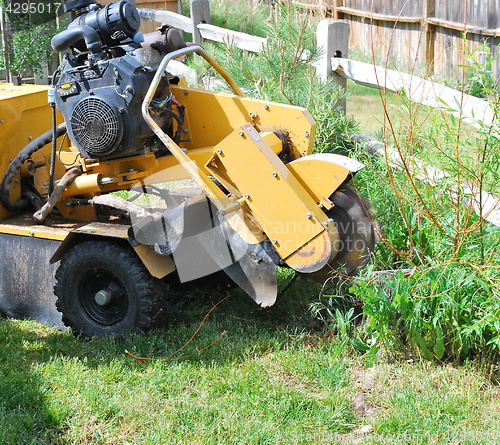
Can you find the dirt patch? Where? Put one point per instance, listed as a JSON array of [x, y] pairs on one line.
[[364, 381]]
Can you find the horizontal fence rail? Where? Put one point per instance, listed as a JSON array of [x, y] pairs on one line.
[[207, 31], [470, 109]]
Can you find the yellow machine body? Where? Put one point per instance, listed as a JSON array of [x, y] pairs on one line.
[[231, 139], [24, 115], [121, 183], [252, 159]]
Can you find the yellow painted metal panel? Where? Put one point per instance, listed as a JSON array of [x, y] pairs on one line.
[[24, 225], [284, 210], [24, 115], [158, 265], [10, 91], [103, 229], [169, 169], [210, 117], [320, 178], [33, 232], [313, 256]]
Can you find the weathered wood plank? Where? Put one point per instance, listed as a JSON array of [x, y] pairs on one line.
[[428, 33], [390, 29], [484, 204], [378, 16], [200, 13], [465, 27], [469, 108], [239, 39]]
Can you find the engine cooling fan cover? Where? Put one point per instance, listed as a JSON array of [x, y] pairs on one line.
[[96, 127]]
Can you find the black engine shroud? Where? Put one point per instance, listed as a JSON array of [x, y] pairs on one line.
[[102, 85], [102, 106]]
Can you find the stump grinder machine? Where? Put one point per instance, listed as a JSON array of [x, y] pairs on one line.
[[226, 185]]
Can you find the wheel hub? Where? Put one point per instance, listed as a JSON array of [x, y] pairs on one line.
[[104, 296]]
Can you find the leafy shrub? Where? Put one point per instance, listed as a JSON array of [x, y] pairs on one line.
[[29, 39], [433, 222], [479, 70]]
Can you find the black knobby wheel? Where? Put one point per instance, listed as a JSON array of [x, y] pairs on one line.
[[356, 231], [103, 289]]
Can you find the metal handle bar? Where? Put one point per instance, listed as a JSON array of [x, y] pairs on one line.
[[206, 183]]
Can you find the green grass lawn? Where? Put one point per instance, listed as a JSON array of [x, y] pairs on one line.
[[364, 104], [270, 379], [250, 376]]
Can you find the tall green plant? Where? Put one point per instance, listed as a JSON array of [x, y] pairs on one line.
[[31, 50], [284, 72], [431, 211], [480, 81]]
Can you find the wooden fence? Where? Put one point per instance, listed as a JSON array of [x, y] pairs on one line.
[[332, 36], [429, 32]]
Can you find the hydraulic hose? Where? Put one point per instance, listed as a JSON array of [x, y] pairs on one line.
[[54, 149], [16, 164]]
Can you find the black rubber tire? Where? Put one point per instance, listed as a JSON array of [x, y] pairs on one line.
[[357, 236], [138, 301]]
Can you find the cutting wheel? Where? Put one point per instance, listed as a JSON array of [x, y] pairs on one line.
[[356, 232]]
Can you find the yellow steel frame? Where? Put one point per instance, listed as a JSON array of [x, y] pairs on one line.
[[227, 137], [24, 115], [214, 115]]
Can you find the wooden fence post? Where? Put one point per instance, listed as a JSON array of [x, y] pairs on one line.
[[337, 4], [200, 13], [332, 37], [429, 33]]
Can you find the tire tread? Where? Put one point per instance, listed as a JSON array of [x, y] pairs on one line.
[[151, 292]]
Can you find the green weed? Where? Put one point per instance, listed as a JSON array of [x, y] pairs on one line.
[[432, 223]]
